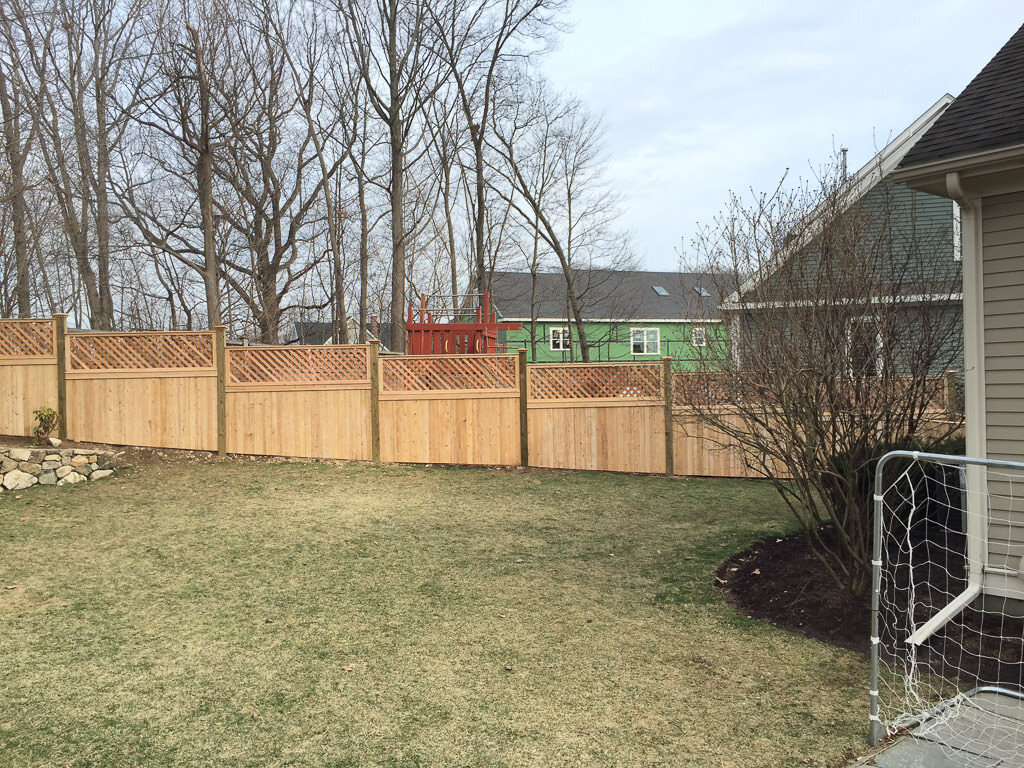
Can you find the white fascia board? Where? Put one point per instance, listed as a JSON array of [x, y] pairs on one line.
[[862, 182]]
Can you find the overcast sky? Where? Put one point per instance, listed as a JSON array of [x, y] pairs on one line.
[[699, 97]]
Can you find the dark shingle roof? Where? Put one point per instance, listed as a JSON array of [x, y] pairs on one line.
[[315, 332], [988, 114], [606, 294]]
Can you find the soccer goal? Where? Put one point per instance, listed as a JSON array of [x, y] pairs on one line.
[[946, 655]]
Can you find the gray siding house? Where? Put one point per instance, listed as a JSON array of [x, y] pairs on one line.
[[974, 155], [913, 253]]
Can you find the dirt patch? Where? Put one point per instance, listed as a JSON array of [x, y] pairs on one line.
[[780, 581]]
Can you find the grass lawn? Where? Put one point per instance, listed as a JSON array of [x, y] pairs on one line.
[[290, 614]]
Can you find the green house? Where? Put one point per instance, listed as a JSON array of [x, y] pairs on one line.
[[627, 316]]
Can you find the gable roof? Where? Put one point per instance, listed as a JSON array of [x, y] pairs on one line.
[[607, 295], [861, 183], [989, 114]]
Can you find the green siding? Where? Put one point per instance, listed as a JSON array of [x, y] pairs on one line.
[[611, 342]]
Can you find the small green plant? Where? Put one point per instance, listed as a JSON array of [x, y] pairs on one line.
[[47, 420]]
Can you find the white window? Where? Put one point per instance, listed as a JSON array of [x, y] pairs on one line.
[[645, 341], [560, 340], [699, 336]]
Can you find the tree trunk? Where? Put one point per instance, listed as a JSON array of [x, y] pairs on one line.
[[204, 183], [10, 102]]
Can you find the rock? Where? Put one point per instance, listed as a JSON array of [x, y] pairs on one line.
[[71, 479], [81, 451], [54, 441], [51, 457], [50, 464], [66, 451], [64, 471], [92, 458], [48, 477], [79, 460], [15, 480], [99, 474], [8, 464], [94, 466], [84, 470], [21, 454], [30, 466]]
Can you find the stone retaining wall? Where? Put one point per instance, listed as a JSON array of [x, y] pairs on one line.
[[24, 467]]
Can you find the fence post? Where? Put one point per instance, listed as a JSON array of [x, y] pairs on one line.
[[373, 355], [60, 331], [666, 384], [220, 355], [524, 433]]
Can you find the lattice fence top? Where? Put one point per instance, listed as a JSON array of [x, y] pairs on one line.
[[711, 389], [629, 381], [26, 338], [707, 389], [297, 365], [426, 374], [133, 351]]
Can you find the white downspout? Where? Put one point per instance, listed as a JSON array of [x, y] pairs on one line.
[[974, 397]]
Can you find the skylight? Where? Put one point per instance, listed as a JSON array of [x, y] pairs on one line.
[[702, 291], [660, 291]]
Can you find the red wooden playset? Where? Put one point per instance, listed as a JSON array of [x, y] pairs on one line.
[[450, 330]]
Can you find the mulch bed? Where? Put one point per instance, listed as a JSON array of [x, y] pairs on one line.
[[779, 581]]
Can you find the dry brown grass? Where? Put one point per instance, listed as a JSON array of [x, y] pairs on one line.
[[240, 614]]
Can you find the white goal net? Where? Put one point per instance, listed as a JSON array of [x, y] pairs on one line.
[[947, 663]]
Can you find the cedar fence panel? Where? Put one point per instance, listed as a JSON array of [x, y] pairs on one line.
[[303, 401], [180, 390], [600, 416], [450, 410], [149, 389], [28, 372]]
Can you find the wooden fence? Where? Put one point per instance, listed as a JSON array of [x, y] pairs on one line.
[[189, 390]]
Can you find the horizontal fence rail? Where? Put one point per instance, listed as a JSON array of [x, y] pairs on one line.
[[189, 390]]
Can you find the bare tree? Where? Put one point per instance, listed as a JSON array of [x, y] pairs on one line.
[[551, 163], [167, 181], [18, 133], [476, 41], [843, 315], [78, 55], [388, 43]]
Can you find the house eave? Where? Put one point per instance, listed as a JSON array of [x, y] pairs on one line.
[[987, 172]]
